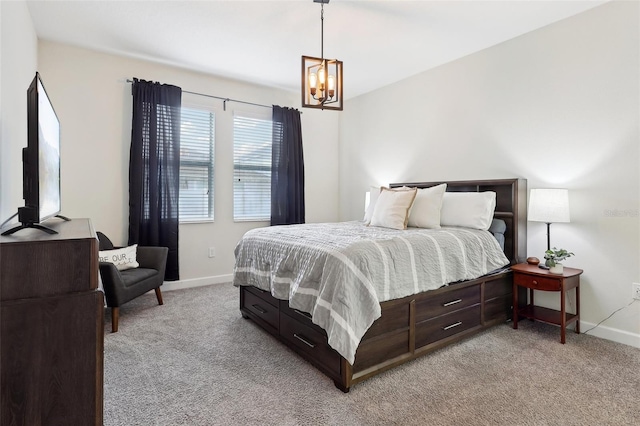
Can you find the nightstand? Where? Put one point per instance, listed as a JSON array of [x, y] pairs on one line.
[[535, 278]]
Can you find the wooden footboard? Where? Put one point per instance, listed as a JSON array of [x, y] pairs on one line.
[[408, 328]]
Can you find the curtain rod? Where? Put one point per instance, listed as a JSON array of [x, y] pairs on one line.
[[225, 100]]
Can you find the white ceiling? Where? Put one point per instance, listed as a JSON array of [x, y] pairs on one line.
[[380, 42]]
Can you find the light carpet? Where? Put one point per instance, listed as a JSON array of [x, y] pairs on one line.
[[196, 361]]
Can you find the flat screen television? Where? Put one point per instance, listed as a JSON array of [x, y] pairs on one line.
[[40, 162]]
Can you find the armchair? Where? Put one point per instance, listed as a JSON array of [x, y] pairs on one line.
[[122, 286]]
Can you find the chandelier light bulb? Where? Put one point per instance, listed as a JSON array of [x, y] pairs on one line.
[[331, 83], [321, 77], [313, 80]]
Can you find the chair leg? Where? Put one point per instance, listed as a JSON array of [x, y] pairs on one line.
[[115, 315], [159, 296]]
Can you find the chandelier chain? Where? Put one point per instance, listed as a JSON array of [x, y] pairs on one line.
[[322, 30]]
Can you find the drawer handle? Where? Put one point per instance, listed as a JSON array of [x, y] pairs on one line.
[[535, 282], [453, 302], [259, 308], [449, 327], [303, 340]]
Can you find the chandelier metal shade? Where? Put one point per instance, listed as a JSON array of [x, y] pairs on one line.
[[321, 77]]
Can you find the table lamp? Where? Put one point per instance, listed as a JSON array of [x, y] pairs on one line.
[[549, 206]]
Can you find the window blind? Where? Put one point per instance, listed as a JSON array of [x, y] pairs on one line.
[[251, 167], [197, 141]]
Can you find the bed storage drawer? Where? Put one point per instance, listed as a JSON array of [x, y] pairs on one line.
[[378, 350], [497, 309], [300, 316], [446, 302], [311, 343], [498, 295], [397, 317], [498, 287], [260, 308], [447, 325], [262, 294]]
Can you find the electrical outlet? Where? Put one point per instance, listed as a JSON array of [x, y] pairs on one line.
[[212, 252], [636, 290]]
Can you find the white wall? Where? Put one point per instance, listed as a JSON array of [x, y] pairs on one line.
[[559, 107], [93, 102], [18, 64]]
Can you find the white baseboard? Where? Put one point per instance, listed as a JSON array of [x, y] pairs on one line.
[[196, 282], [613, 334]]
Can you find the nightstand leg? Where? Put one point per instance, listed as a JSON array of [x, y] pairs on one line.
[[531, 302], [563, 315]]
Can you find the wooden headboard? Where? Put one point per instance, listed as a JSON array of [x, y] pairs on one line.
[[511, 206]]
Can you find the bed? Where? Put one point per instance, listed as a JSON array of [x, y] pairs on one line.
[[401, 324]]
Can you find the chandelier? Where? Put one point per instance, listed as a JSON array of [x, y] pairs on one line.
[[321, 77]]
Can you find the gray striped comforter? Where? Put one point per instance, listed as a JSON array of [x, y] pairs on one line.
[[340, 272]]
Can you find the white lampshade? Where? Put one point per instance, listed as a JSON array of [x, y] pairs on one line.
[[549, 205]]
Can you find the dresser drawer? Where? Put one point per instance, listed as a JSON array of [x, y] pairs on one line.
[[260, 308], [537, 282], [311, 343], [447, 325], [446, 302], [262, 294]]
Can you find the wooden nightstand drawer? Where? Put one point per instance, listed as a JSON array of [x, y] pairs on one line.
[[537, 282]]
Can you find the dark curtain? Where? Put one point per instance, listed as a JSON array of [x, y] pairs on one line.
[[154, 169], [287, 168]]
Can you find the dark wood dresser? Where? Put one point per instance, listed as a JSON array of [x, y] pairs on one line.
[[51, 338]]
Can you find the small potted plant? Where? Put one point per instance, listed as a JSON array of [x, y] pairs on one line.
[[553, 258]]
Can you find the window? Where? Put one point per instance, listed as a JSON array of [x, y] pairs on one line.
[[197, 135], [251, 167]]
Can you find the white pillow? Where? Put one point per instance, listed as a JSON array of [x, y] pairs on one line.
[[374, 191], [468, 209], [392, 208], [425, 212], [124, 258]]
